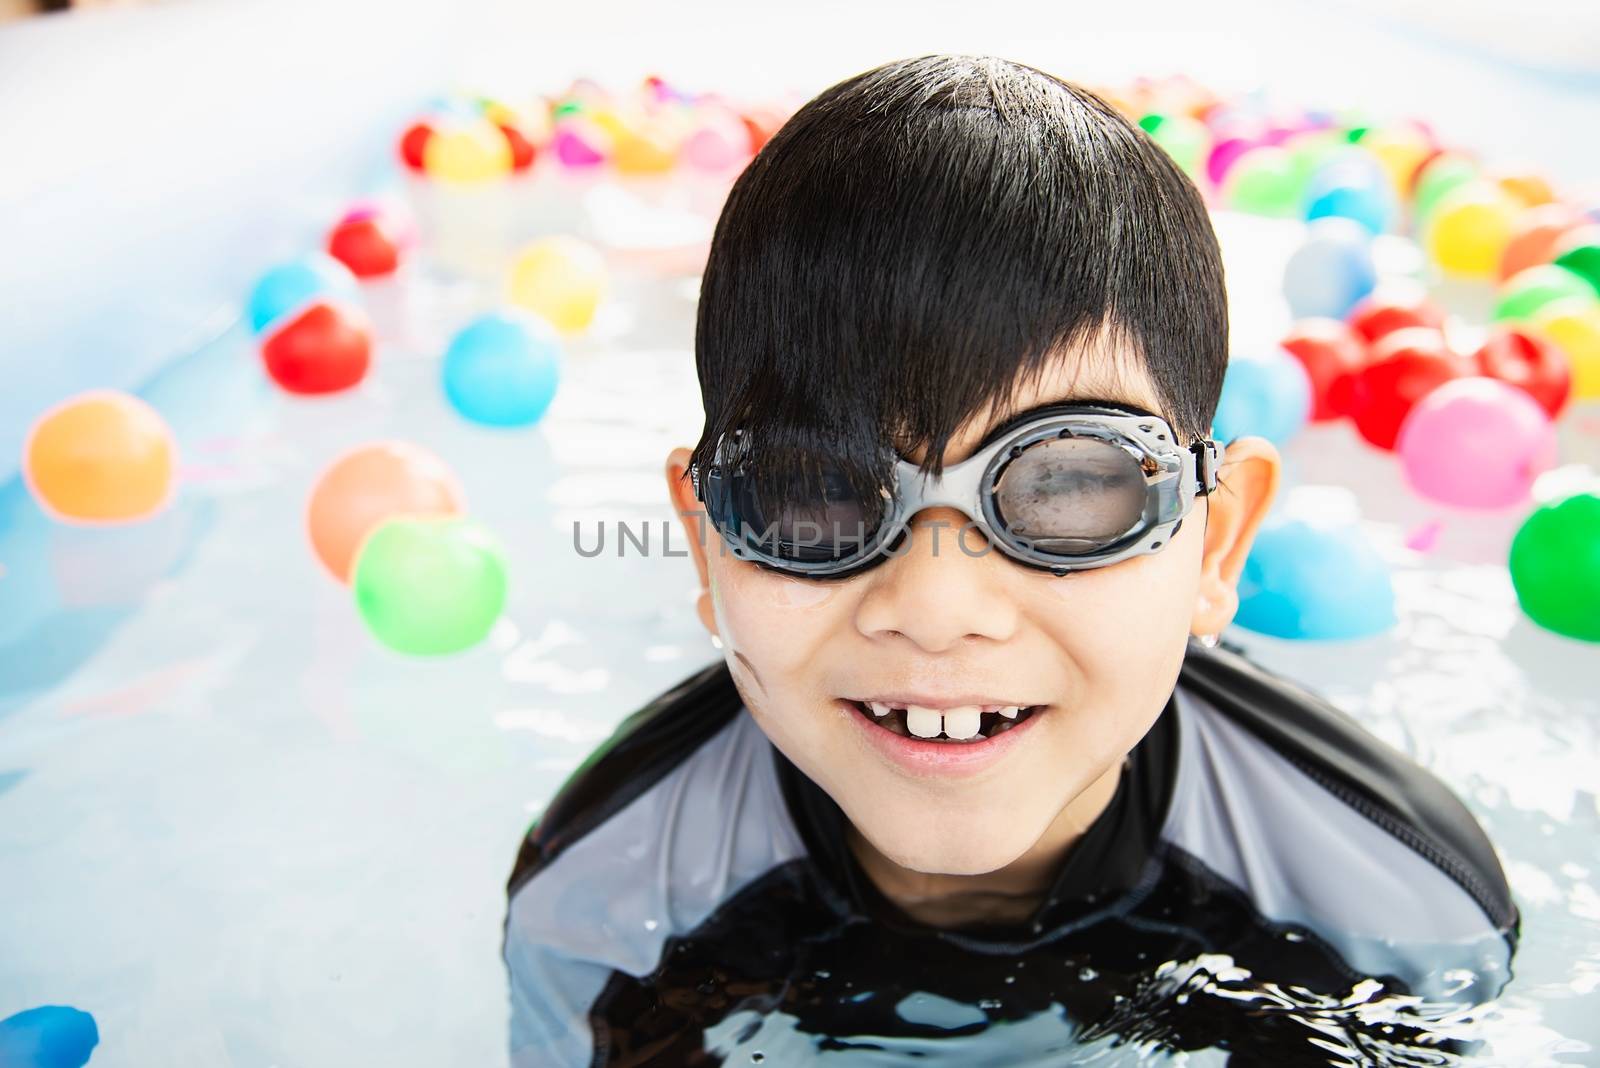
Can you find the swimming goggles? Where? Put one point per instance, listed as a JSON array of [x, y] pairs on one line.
[[1066, 487]]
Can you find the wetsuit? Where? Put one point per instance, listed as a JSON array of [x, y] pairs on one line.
[[688, 897]]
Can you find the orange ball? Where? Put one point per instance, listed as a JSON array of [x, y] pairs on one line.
[[100, 457], [368, 485], [1537, 233]]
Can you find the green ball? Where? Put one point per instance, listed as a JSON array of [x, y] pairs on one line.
[[1435, 180], [1529, 290], [1265, 181], [1312, 149], [1555, 566], [1583, 261], [430, 585], [1186, 140]]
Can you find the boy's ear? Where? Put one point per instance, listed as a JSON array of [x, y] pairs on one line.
[[1247, 483], [691, 513]]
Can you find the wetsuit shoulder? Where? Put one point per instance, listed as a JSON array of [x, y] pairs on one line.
[[1323, 825], [671, 816]]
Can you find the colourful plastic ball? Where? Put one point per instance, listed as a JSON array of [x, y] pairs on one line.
[[1406, 365], [523, 152], [324, 349], [1332, 354], [1332, 271], [1574, 327], [1527, 292], [1579, 252], [1311, 150], [1264, 181], [718, 142], [1536, 237], [414, 145], [1476, 442], [1555, 566], [503, 369], [289, 288], [368, 485], [49, 1036], [1394, 305], [366, 246], [1224, 154], [560, 278], [100, 457], [1352, 184], [1442, 174], [1531, 189], [429, 586], [1186, 140], [1532, 363], [467, 151], [1309, 582], [1469, 229], [581, 144], [1400, 149], [1267, 395]]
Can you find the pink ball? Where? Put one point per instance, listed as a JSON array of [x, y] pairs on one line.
[[1224, 154], [1476, 442]]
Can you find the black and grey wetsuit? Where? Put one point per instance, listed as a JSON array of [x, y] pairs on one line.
[[688, 898]]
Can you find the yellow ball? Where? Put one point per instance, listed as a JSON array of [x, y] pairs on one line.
[[472, 151], [1469, 230], [650, 151], [561, 278], [1401, 150], [1574, 325]]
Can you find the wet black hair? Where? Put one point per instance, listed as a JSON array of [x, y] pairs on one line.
[[920, 239]]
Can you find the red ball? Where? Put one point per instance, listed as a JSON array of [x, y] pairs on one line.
[[325, 348], [412, 144], [1406, 366], [364, 246], [1332, 354], [1391, 308], [1528, 362], [522, 150]]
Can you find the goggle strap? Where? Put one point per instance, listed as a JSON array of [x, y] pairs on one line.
[[1207, 458]]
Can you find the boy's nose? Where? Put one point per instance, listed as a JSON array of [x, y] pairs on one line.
[[941, 588]]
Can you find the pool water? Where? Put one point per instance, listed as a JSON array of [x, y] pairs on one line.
[[237, 831]]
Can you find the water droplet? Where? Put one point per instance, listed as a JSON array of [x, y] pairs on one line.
[[651, 925], [1087, 975], [1011, 978]]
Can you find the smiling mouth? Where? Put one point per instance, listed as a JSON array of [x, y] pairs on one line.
[[958, 726]]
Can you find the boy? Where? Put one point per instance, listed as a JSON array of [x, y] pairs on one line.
[[972, 783]]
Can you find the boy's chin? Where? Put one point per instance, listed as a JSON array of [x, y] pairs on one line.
[[970, 843]]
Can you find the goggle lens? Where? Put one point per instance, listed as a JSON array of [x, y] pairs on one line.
[[1071, 496]]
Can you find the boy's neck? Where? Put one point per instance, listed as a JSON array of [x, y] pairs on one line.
[[1006, 895]]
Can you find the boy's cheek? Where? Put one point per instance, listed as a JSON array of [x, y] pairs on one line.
[[776, 622]]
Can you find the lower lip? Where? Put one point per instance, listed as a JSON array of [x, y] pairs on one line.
[[926, 759]]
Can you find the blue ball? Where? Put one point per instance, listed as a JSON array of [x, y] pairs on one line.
[[288, 288], [1353, 185], [50, 1036], [502, 369], [1267, 395], [1307, 582], [1331, 273]]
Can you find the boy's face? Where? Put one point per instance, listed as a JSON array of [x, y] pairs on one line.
[[1100, 648]]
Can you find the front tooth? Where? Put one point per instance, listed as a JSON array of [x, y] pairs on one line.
[[963, 722], [878, 708], [1010, 711], [924, 722]]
